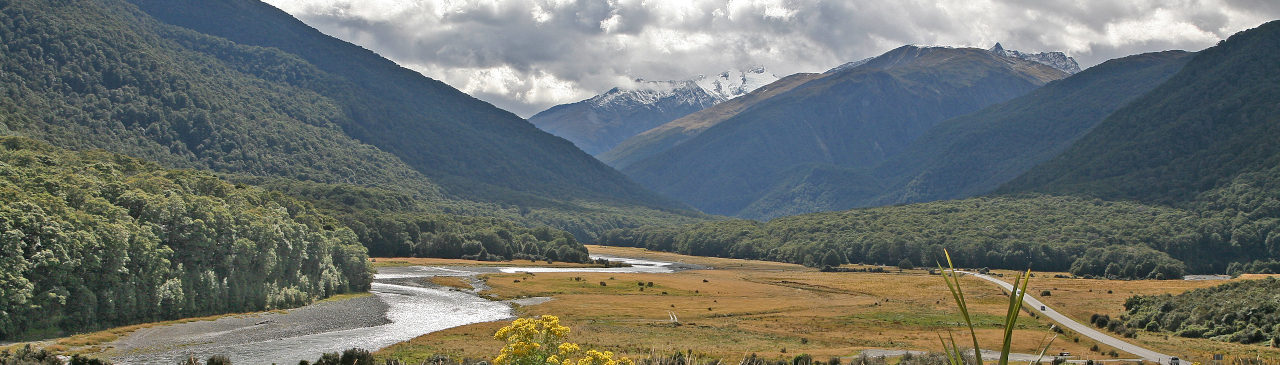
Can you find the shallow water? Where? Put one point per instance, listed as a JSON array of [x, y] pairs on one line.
[[412, 312]]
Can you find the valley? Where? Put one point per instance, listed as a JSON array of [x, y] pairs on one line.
[[724, 309], [763, 308], [190, 179]]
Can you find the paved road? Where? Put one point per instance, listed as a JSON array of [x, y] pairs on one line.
[[1087, 331]]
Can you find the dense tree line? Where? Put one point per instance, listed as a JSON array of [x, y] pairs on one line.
[[1245, 311], [1039, 232], [94, 239]]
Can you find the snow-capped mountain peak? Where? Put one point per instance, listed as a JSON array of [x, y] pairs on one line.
[[1056, 60], [731, 84], [697, 90], [598, 124]]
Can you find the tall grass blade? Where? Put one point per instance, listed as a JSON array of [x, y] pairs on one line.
[[1011, 317], [953, 284]]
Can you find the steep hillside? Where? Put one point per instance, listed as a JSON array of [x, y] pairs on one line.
[[663, 137], [1216, 119], [976, 153], [854, 118], [278, 101], [95, 239], [598, 124], [471, 147], [207, 98]]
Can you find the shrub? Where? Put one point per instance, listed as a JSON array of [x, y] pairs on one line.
[[541, 341], [1045, 293], [906, 264]]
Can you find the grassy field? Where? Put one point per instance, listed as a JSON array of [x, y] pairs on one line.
[[1081, 298], [423, 261], [770, 309], [780, 310]]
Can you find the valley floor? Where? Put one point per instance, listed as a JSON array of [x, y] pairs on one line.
[[724, 309], [775, 310]]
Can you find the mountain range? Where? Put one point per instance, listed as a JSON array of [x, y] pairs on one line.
[[850, 120], [1151, 166], [598, 124]]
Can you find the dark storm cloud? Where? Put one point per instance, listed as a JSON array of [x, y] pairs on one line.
[[527, 55]]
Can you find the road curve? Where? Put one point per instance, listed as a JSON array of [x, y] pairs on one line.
[[1087, 331]]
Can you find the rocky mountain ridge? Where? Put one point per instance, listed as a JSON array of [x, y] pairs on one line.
[[598, 124]]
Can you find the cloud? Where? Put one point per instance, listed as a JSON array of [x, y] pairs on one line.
[[527, 55]]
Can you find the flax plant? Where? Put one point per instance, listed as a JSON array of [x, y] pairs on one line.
[[952, 350]]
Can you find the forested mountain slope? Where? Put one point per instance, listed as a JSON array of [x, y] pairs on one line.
[[1212, 122], [975, 153], [853, 118], [470, 147], [95, 239], [286, 107]]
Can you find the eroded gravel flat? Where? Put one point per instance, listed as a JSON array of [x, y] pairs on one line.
[[403, 306], [230, 331]]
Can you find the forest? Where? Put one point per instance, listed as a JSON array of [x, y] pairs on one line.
[[1243, 311], [95, 239], [1088, 237]]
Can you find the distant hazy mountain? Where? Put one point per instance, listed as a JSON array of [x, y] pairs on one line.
[[853, 118], [668, 135], [598, 124]]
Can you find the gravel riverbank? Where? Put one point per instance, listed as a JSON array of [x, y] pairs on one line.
[[403, 306]]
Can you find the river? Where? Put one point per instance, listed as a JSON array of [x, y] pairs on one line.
[[401, 308]]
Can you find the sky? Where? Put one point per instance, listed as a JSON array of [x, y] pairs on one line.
[[528, 55]]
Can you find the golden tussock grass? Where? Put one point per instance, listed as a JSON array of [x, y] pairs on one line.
[[739, 308]]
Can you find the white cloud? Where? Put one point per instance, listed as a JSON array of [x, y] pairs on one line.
[[527, 55]]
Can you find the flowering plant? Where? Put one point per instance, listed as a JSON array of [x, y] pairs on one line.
[[541, 341]]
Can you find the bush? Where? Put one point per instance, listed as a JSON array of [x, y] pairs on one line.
[[1045, 293], [541, 340], [906, 264]]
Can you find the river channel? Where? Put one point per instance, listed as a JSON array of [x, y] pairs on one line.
[[402, 307]]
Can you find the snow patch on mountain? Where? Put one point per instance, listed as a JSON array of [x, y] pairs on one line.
[[1056, 60], [849, 65], [700, 90]]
